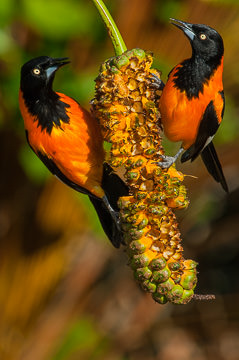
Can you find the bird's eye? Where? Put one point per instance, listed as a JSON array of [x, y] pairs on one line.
[[36, 71], [203, 36]]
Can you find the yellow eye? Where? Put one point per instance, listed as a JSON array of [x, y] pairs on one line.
[[36, 71], [203, 36]]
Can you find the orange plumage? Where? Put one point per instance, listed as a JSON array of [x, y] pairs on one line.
[[192, 101], [181, 117], [68, 140], [80, 158]]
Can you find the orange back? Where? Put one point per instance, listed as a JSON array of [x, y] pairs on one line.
[[75, 147]]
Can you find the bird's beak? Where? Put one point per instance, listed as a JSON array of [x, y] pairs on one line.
[[185, 27], [55, 64]]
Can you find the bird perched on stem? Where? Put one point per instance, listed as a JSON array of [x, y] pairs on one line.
[[192, 101], [68, 141]]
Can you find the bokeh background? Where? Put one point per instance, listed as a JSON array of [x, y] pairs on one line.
[[65, 292]]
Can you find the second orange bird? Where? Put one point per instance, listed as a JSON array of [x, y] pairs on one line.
[[192, 101], [68, 141]]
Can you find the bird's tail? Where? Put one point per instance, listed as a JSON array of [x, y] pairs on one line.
[[114, 188], [212, 163]]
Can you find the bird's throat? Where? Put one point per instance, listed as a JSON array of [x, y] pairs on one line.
[[191, 75], [47, 108]]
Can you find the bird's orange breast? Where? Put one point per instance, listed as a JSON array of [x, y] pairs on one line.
[[75, 147], [181, 116]]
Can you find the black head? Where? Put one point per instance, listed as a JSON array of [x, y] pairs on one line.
[[36, 85], [39, 72], [205, 41]]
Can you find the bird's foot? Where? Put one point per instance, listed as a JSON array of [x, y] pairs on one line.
[[116, 217], [114, 214], [168, 160], [155, 82]]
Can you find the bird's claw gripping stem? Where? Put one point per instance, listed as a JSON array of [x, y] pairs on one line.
[[155, 82], [114, 214], [168, 160]]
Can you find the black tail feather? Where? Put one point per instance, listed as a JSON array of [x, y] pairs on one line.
[[114, 188], [212, 163], [107, 223]]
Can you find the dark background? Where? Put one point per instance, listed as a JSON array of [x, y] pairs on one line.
[[65, 292]]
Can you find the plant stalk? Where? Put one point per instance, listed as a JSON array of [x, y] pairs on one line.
[[116, 38]]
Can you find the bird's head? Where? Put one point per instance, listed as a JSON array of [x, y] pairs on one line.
[[205, 41], [39, 72]]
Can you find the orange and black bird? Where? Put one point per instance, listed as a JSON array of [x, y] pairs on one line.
[[68, 140], [192, 101]]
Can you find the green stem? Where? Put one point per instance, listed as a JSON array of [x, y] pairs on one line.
[[116, 38]]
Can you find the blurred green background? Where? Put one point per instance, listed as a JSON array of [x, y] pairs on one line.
[[65, 292]]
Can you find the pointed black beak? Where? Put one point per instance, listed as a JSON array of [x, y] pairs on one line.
[[187, 28], [54, 64]]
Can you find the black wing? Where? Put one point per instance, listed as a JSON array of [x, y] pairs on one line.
[[207, 129]]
